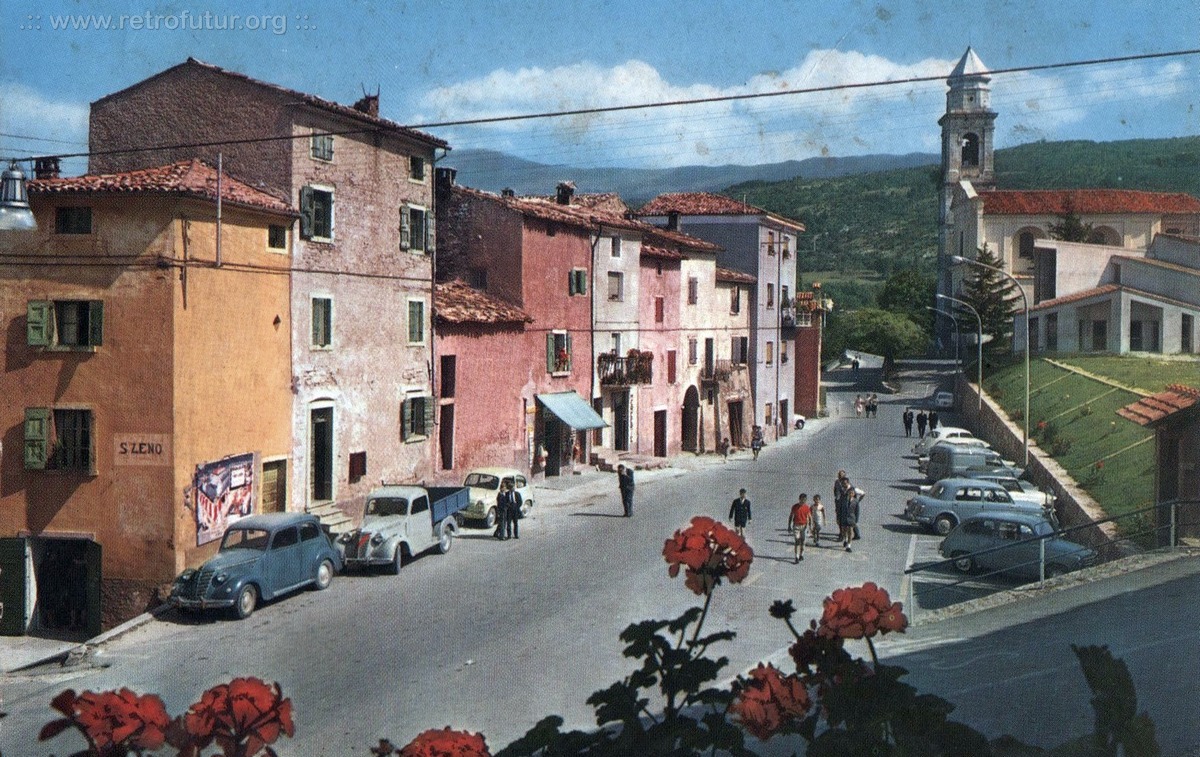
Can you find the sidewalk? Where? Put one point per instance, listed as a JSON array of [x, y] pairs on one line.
[[20, 652]]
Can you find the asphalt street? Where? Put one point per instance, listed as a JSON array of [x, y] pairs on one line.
[[495, 635]]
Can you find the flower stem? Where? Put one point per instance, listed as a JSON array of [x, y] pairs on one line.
[[871, 647], [703, 615]]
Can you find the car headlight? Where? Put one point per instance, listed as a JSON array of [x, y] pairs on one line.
[[347, 537], [376, 540], [186, 575], [220, 578]]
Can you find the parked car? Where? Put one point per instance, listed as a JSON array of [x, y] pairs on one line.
[[1017, 487], [1013, 539], [943, 399], [936, 435], [798, 421], [957, 441], [484, 484], [400, 522], [261, 557], [953, 461], [950, 501]]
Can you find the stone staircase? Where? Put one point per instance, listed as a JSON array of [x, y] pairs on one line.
[[607, 460], [332, 518]]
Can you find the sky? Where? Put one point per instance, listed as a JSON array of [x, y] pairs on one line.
[[447, 60]]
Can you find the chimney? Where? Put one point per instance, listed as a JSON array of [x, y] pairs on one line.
[[368, 104], [46, 168], [508, 192], [566, 190], [673, 220], [443, 182]]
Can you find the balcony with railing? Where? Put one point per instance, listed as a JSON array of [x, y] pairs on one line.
[[720, 370], [625, 370], [787, 317]]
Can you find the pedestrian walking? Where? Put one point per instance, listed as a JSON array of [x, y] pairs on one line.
[[857, 495], [816, 519], [845, 508], [873, 406], [933, 420], [922, 419], [723, 448], [625, 486], [502, 513], [854, 365], [756, 441], [797, 525], [739, 513], [907, 418], [513, 502], [859, 405]]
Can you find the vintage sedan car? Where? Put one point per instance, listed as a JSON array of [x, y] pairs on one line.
[[261, 557], [1019, 488], [950, 500], [484, 484], [1009, 543], [936, 435], [944, 399]]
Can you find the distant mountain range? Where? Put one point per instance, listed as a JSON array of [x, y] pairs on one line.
[[493, 171]]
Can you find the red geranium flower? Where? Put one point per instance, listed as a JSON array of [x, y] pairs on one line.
[[769, 702], [245, 714], [860, 613], [709, 551], [112, 721], [446, 743]]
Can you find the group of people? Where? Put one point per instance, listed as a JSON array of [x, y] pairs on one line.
[[922, 419], [868, 404], [508, 511]]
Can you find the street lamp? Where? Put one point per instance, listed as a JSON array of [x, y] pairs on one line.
[[978, 342], [960, 260], [15, 214], [957, 336]]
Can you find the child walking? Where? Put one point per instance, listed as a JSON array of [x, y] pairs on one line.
[[816, 520]]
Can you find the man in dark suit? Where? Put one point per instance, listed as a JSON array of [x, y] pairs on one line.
[[513, 502], [739, 513], [502, 512], [625, 486]]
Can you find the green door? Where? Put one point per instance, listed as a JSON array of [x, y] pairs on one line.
[[13, 583]]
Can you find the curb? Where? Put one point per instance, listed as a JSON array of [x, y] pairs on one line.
[[80, 650]]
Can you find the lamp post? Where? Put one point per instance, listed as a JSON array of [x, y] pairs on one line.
[[978, 342], [960, 260], [15, 214], [957, 336]]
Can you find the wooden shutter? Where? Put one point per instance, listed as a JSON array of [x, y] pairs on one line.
[[581, 285], [429, 406], [13, 566], [571, 283], [405, 230], [568, 352], [406, 413], [658, 309], [39, 323], [550, 353], [95, 323], [671, 366], [306, 212], [37, 437]]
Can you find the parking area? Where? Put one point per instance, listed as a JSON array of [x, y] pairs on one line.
[[934, 588]]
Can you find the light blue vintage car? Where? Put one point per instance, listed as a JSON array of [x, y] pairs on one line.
[[261, 557]]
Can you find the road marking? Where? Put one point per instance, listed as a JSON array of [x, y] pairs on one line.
[[906, 582]]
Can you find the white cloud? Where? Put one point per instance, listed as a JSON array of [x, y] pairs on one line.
[[45, 126]]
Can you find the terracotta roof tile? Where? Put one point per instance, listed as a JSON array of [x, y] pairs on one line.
[[708, 204], [458, 302], [660, 236], [1151, 410], [1082, 294], [730, 276], [189, 178], [1085, 201], [661, 253]]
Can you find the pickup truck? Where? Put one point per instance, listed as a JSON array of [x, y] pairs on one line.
[[400, 522]]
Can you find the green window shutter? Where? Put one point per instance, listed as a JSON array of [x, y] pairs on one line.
[[550, 353], [39, 323], [96, 323], [306, 212], [429, 416], [405, 229], [406, 418], [568, 352], [571, 289], [582, 286], [37, 437]]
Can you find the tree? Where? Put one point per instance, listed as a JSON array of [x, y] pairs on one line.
[[875, 331], [1071, 229], [994, 297], [908, 293]]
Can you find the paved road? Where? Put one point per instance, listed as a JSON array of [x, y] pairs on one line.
[[495, 635]]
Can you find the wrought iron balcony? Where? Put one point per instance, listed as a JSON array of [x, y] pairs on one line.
[[787, 317], [617, 370]]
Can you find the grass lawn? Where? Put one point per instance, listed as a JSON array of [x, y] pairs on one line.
[[1073, 418]]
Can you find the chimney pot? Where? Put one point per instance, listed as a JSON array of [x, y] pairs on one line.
[[46, 168], [566, 190]]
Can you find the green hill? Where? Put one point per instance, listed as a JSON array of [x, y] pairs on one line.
[[887, 221]]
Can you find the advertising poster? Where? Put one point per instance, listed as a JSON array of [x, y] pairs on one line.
[[224, 493]]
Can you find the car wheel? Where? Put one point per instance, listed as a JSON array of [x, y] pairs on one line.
[[799, 424], [324, 574], [490, 520], [943, 524], [397, 561], [247, 600], [1055, 570], [962, 563], [445, 540]]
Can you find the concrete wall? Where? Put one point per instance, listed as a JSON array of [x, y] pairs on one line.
[[808, 368]]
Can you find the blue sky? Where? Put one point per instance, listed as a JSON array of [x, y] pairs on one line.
[[437, 60]]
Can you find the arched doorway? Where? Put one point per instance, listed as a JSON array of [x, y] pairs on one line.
[[691, 420]]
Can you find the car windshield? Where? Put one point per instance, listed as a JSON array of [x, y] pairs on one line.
[[482, 481], [387, 506], [245, 538]]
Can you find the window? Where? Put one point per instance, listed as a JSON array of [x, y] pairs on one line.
[[310, 530], [287, 537], [616, 342], [735, 300], [449, 375], [659, 308], [321, 147], [416, 168], [316, 213], [740, 350], [616, 286], [615, 244], [783, 358], [72, 220], [693, 351], [693, 290], [358, 466], [671, 358], [412, 229], [768, 419], [59, 440], [770, 353], [1052, 332], [558, 352], [277, 237], [322, 322], [1025, 242], [576, 282], [416, 418], [770, 295], [420, 505], [67, 324], [783, 297], [770, 243], [1186, 329], [416, 322]]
